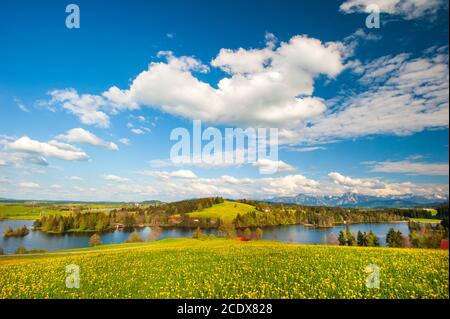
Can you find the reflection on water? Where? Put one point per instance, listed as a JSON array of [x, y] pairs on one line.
[[292, 233], [308, 235]]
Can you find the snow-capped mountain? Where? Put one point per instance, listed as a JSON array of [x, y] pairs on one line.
[[350, 199]]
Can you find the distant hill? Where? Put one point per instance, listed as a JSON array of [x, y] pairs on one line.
[[226, 211], [62, 202], [350, 199]]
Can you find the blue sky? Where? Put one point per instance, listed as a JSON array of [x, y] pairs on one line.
[[358, 109]]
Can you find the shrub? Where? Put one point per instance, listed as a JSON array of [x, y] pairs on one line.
[[247, 234], [21, 250], [197, 233], [258, 233], [134, 238], [95, 240]]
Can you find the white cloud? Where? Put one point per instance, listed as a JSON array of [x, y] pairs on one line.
[[167, 187], [28, 185], [378, 187], [273, 86], [267, 166], [79, 135], [403, 96], [182, 173], [413, 168], [21, 105], [266, 87], [124, 141], [114, 178], [305, 149], [17, 159], [27, 145], [137, 131], [353, 182], [408, 9], [86, 107], [74, 178]]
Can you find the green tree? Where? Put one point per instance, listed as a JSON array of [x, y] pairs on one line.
[[361, 239], [226, 230], [351, 240], [95, 240], [21, 250], [372, 240], [197, 233], [394, 238], [60, 226], [341, 239], [258, 233]]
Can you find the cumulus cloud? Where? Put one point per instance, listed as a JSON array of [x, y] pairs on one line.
[[273, 86], [182, 173], [268, 166], [28, 185], [18, 159], [114, 178], [409, 167], [79, 135], [400, 96], [354, 182], [137, 131], [378, 187], [74, 178], [28, 145], [173, 186], [124, 141], [87, 107], [407, 9], [269, 86]]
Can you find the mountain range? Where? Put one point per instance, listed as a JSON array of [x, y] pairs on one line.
[[350, 199]]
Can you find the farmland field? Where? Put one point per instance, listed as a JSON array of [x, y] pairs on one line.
[[219, 268], [426, 220], [226, 211], [32, 211]]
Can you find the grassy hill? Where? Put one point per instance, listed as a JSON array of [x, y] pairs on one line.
[[189, 268], [33, 210], [226, 211]]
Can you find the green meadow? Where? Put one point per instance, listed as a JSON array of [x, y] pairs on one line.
[[220, 268], [226, 211], [34, 210]]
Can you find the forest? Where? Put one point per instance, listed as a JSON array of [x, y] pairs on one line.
[[176, 214]]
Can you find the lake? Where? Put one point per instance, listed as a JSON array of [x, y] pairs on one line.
[[290, 233]]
